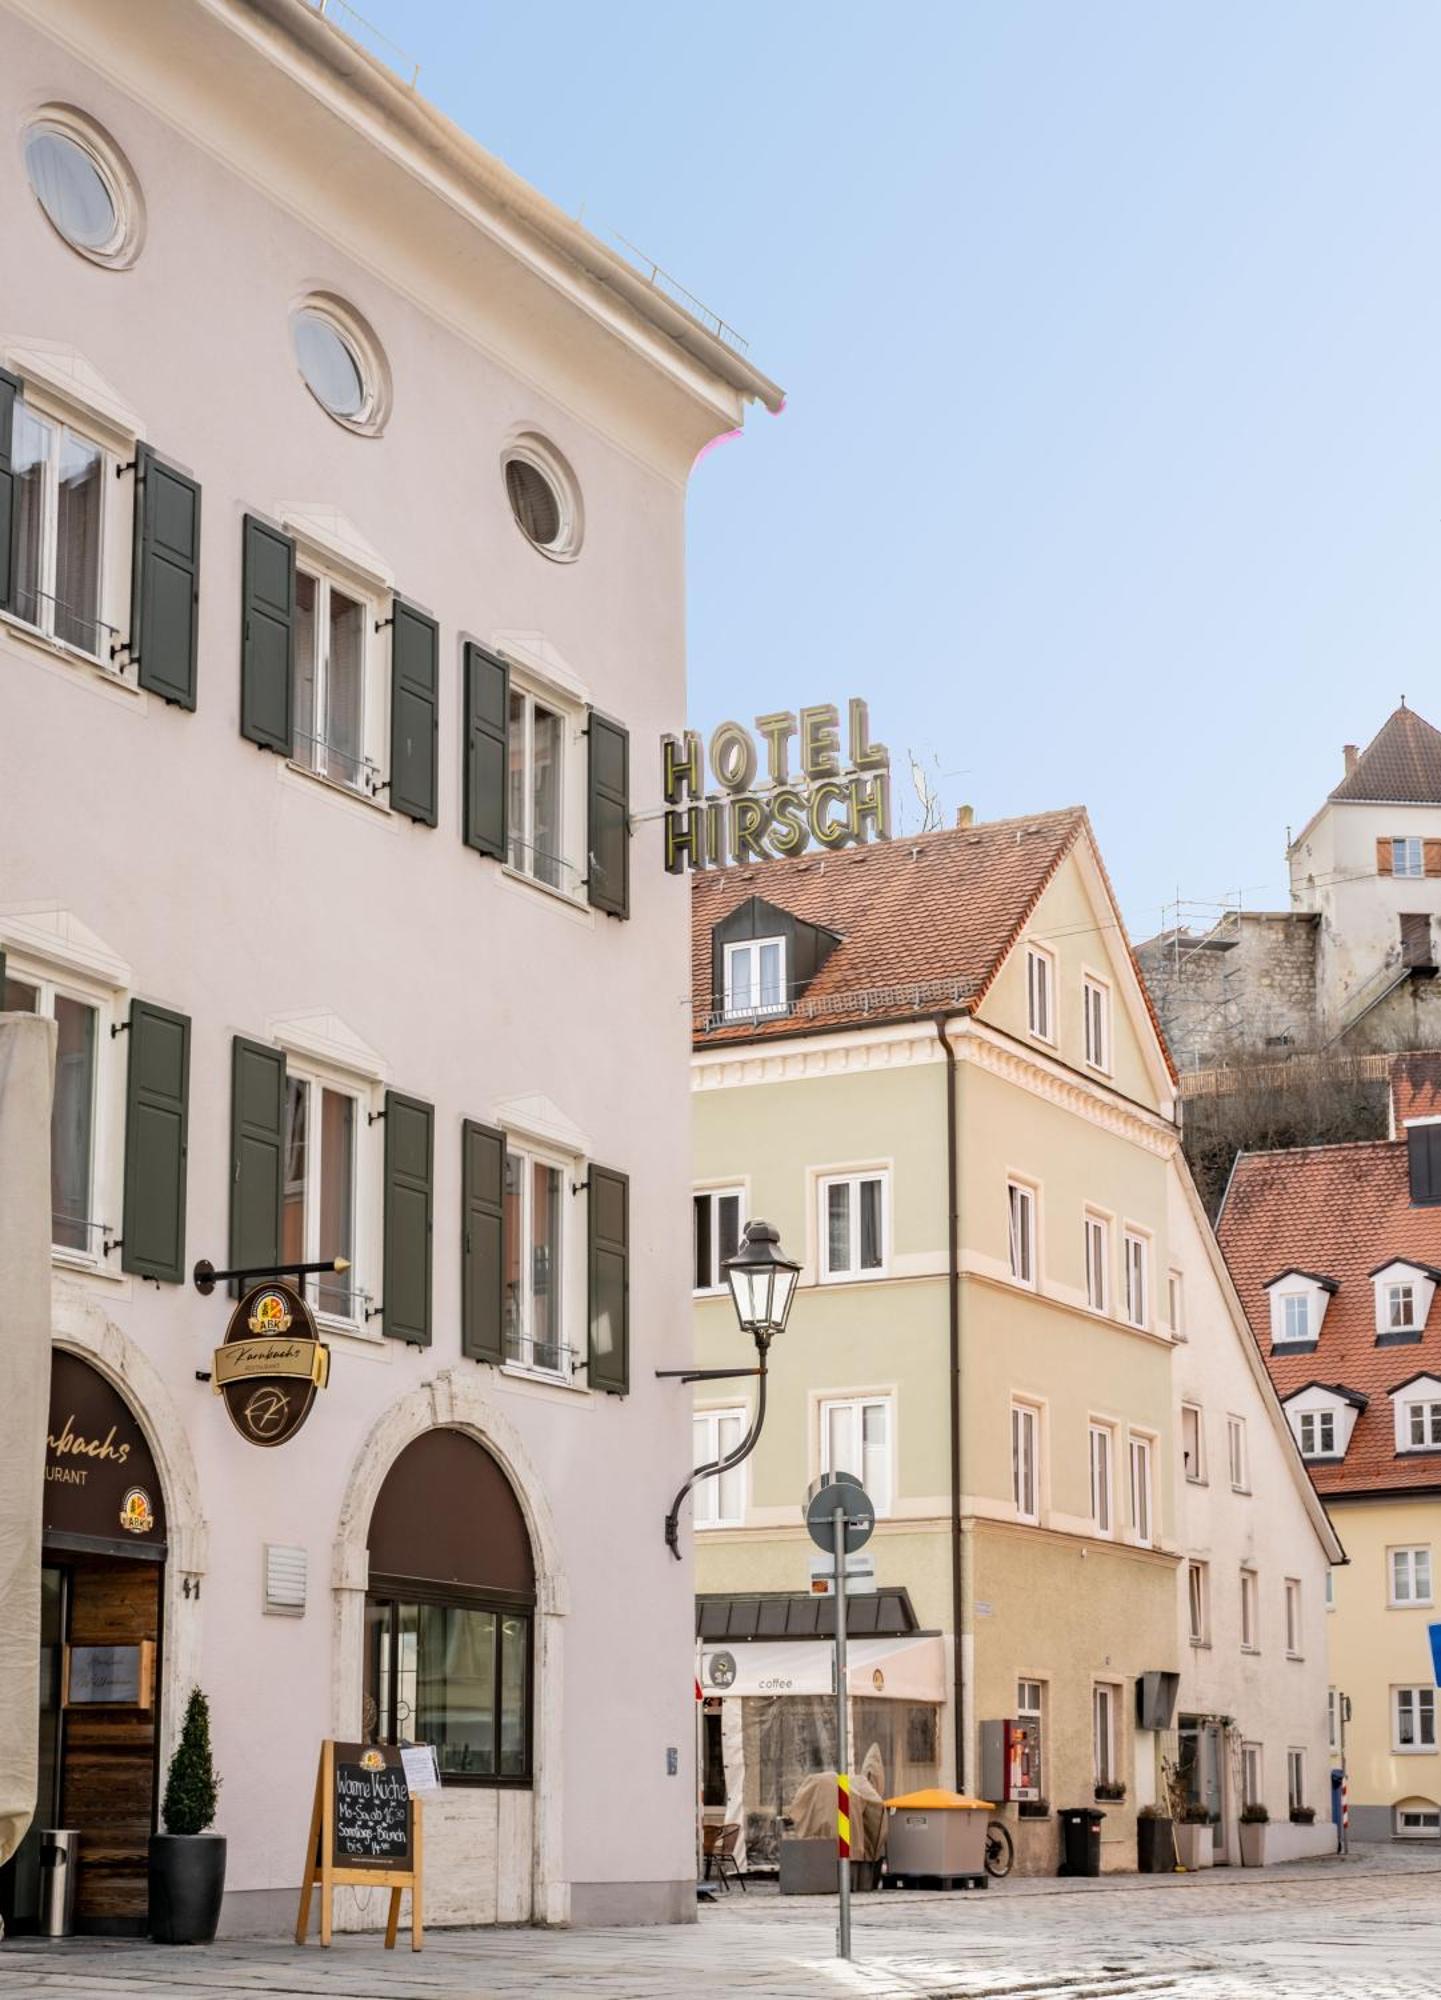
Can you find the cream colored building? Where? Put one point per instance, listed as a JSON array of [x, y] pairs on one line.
[[962, 1123]]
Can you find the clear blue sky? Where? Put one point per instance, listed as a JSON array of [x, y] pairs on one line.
[[1110, 334]]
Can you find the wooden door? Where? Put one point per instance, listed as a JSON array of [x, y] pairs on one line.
[[107, 1786]]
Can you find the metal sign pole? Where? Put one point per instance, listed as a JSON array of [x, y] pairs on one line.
[[843, 1755]]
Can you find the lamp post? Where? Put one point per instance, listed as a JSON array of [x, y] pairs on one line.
[[762, 1286]]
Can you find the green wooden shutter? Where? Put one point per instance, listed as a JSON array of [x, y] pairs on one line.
[[267, 643], [409, 1176], [487, 750], [9, 522], [414, 711], [165, 589], [609, 1287], [607, 875], [257, 1154], [482, 1240], [157, 1097]]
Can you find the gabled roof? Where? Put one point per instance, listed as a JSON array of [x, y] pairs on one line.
[[1422, 1375], [1343, 1209], [1411, 1264], [1338, 1389], [1294, 1271], [1401, 765]]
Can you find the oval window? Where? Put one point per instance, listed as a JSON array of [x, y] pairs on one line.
[[340, 364], [83, 188], [543, 498]]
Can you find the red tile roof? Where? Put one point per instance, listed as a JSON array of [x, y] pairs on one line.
[[1415, 1087], [924, 921], [1401, 765], [1347, 1211]]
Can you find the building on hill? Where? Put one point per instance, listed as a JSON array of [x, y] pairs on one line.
[[931, 1064], [1352, 963], [1336, 1253]]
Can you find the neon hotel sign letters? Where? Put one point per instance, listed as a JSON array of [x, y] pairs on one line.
[[825, 799]]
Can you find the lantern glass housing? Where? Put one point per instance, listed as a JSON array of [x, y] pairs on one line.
[[762, 1281]]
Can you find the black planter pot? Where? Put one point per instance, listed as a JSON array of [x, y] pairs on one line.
[[1155, 1847], [187, 1881]]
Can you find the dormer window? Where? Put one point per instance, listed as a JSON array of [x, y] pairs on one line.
[[1298, 1306], [1404, 1292], [755, 978], [1417, 1405], [1316, 1433], [1423, 1425], [1322, 1417], [1400, 1306], [1295, 1317]]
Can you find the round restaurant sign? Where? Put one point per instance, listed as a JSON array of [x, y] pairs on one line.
[[271, 1364]]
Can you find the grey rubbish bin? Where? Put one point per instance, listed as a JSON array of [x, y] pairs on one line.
[[58, 1845]]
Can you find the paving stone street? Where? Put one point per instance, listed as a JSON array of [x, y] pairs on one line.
[[1368, 1926]]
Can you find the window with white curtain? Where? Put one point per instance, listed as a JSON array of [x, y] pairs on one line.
[[80, 1049], [1411, 1575], [856, 1437], [1413, 1718], [853, 1224], [718, 1502], [57, 535]]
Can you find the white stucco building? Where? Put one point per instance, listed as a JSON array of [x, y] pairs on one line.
[[344, 481]]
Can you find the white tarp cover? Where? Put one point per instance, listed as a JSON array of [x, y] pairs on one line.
[[27, 1057], [897, 1669]]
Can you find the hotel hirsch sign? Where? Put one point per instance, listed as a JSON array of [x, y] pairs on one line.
[[791, 784]]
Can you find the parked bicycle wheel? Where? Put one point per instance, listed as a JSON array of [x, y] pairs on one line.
[[1000, 1850]]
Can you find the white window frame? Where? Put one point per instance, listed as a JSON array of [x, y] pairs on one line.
[[719, 1502], [571, 709], [882, 1491], [718, 1286], [1141, 1459], [1026, 1460], [1176, 1304], [114, 544], [1430, 1409], [365, 1193], [376, 606], [1195, 1474], [1198, 1602], [1096, 1008], [853, 1180], [1402, 847], [1330, 1588], [1105, 1747], [751, 948], [1031, 1708], [1294, 1629], [1096, 1236], [1400, 1306], [1250, 1610], [1312, 1423], [1289, 1305], [1022, 1233], [531, 1153], [1420, 1700], [1101, 1445], [1237, 1455], [1426, 1818], [1297, 1787], [1253, 1774], [1409, 1564], [1041, 993], [1136, 1257]]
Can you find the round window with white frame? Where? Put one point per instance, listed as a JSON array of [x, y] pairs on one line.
[[84, 185], [544, 497], [341, 363]]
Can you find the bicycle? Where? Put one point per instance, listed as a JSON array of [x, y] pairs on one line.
[[1000, 1849]]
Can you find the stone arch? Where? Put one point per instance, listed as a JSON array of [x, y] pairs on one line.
[[456, 1400]]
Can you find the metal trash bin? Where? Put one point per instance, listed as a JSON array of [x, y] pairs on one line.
[[58, 1848], [936, 1838], [1080, 1841]]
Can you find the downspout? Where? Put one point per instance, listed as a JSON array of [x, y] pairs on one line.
[[953, 1271]]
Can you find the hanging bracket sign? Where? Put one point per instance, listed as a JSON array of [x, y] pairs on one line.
[[270, 1364], [830, 798]]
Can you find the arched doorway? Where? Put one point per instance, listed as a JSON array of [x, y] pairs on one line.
[[450, 1613], [102, 1592]]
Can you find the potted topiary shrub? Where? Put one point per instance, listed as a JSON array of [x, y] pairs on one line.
[[1155, 1841], [1194, 1843], [1303, 1815], [187, 1864], [1254, 1821]]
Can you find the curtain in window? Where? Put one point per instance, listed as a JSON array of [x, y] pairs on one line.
[[337, 1198], [870, 1225], [72, 1123], [77, 544], [307, 729], [838, 1227], [345, 691], [32, 439]]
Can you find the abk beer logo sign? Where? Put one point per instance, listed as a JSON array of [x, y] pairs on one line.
[[271, 1364]]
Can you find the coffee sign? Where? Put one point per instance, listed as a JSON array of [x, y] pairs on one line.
[[271, 1364], [812, 791]]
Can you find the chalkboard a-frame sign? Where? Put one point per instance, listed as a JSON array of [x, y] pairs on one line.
[[365, 1832]]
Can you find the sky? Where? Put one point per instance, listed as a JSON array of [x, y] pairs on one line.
[[1109, 334]]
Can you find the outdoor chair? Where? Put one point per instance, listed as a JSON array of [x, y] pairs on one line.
[[720, 1852]]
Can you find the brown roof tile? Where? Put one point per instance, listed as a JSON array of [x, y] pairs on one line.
[[924, 921], [1347, 1211], [1401, 765]]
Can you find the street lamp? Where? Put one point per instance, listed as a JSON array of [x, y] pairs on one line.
[[762, 1286]]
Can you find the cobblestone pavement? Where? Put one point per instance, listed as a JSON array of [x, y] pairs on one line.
[[1366, 1928]]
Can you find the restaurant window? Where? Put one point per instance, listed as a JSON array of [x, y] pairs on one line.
[[856, 1437], [535, 1233], [717, 1215], [449, 1644], [58, 533], [719, 1502], [74, 1109], [853, 1226], [319, 1199]]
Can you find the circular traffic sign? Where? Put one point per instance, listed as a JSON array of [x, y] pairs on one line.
[[847, 1493]]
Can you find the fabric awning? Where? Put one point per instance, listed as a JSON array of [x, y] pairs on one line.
[[912, 1669]]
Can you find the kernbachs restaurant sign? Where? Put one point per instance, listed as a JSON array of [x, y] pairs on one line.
[[774, 792]]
